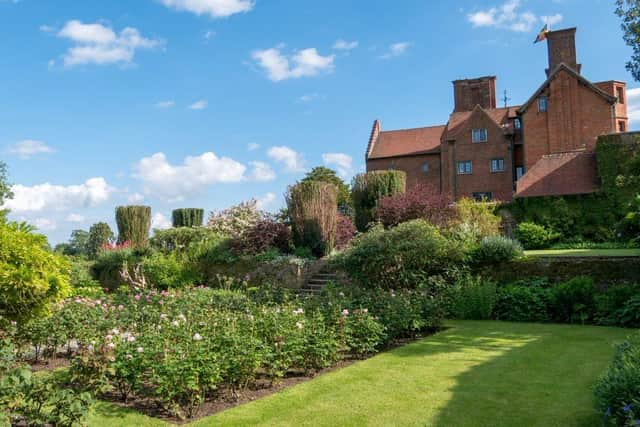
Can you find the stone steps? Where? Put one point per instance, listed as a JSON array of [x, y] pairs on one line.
[[317, 282]]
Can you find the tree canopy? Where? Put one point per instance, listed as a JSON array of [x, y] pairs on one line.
[[629, 11], [324, 174], [5, 189]]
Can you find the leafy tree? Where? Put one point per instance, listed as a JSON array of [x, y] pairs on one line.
[[5, 189], [78, 243], [100, 234], [629, 11], [323, 174], [31, 276]]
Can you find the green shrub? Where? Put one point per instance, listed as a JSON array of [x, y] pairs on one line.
[[107, 267], [369, 188], [497, 249], [179, 239], [169, 272], [574, 301], [475, 220], [611, 300], [363, 333], [617, 392], [534, 236], [472, 299], [523, 303], [402, 257], [235, 220], [313, 211], [187, 217], [31, 276], [628, 315], [134, 223]]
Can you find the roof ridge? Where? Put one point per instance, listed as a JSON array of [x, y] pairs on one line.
[[418, 128]]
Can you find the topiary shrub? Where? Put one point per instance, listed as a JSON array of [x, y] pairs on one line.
[[134, 223], [187, 217], [313, 210], [405, 256], [369, 188], [617, 392], [419, 202], [31, 276], [534, 236], [497, 249]]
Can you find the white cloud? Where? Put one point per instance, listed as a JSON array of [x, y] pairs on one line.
[[99, 44], [342, 162], [209, 34], [29, 148], [308, 97], [265, 201], [48, 197], [262, 172], [199, 105], [253, 146], [345, 45], [47, 28], [44, 224], [174, 183], [135, 198], [76, 218], [291, 159], [508, 16], [303, 63], [213, 8], [165, 104], [396, 49], [633, 105], [160, 222]]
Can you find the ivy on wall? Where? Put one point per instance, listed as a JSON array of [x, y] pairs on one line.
[[595, 217]]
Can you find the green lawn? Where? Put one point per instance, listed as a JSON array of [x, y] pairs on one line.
[[584, 253], [472, 374]]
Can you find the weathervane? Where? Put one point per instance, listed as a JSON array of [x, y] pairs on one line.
[[506, 99]]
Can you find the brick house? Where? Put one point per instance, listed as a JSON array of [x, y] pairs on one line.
[[542, 147]]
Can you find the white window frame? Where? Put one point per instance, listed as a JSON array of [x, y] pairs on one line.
[[482, 133], [543, 101], [504, 166], [464, 172]]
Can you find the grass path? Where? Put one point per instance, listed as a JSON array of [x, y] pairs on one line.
[[473, 374], [584, 253]]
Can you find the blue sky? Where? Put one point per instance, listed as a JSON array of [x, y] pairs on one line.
[[205, 103]]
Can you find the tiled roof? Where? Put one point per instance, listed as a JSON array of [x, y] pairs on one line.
[[560, 175], [563, 67], [406, 142], [500, 116]]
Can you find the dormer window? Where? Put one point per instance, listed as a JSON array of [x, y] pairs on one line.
[[479, 135], [543, 104]]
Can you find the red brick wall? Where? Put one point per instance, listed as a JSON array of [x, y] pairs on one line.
[[575, 117], [481, 154], [471, 92], [413, 167]]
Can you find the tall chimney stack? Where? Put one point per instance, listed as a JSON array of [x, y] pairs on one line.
[[562, 49], [471, 92]]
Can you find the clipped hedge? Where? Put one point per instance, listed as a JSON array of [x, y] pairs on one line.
[[187, 217], [369, 188], [134, 223], [313, 210]]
